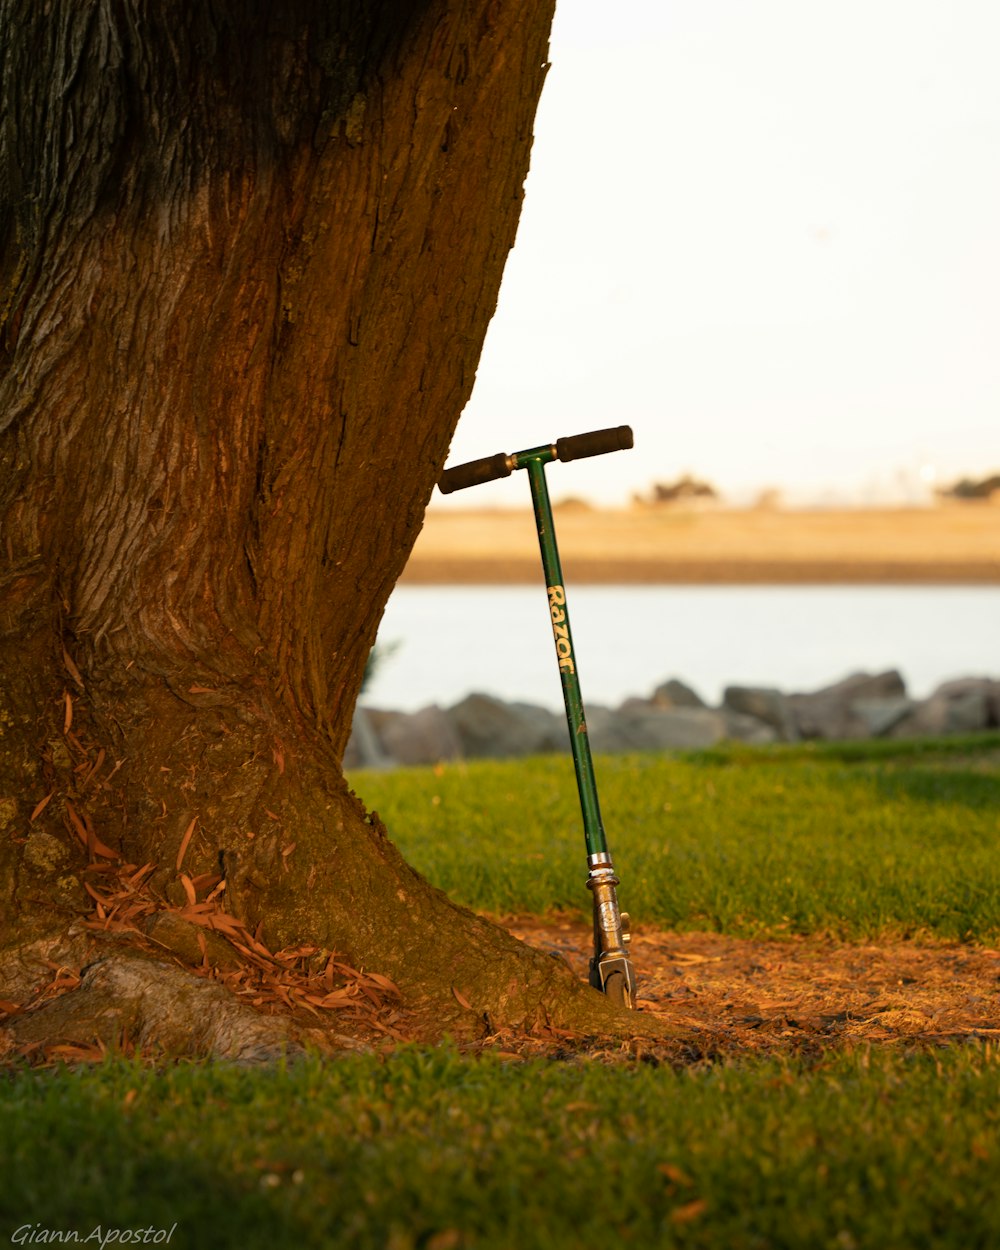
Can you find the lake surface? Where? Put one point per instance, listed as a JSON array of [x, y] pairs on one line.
[[451, 640]]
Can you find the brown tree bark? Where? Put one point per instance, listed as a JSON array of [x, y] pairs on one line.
[[250, 251]]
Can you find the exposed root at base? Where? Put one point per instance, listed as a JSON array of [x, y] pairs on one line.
[[145, 977]]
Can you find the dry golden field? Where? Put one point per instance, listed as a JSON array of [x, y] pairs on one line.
[[954, 543]]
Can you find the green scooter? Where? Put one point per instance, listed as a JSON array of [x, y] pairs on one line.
[[610, 968]]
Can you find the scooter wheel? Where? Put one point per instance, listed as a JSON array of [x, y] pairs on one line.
[[616, 988]]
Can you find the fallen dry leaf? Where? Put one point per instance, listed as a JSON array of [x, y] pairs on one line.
[[71, 668], [182, 849], [675, 1174], [689, 1211], [40, 806], [84, 830]]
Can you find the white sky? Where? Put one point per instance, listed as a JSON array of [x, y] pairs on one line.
[[764, 233]]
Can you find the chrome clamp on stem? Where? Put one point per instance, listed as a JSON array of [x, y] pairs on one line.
[[611, 934]]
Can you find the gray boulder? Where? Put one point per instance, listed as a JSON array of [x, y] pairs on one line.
[[966, 705], [605, 731], [988, 687], [423, 737], [765, 704], [878, 717], [742, 728], [642, 727], [634, 704], [674, 693], [364, 747], [831, 712], [488, 727]]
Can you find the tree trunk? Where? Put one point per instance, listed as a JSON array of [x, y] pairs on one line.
[[250, 254]]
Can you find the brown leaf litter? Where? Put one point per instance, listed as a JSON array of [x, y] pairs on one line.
[[750, 995], [304, 983]]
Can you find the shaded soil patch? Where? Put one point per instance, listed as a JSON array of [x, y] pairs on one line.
[[801, 993]]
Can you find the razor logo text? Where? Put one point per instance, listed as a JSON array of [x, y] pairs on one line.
[[560, 628]]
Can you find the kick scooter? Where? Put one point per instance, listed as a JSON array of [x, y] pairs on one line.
[[610, 968]]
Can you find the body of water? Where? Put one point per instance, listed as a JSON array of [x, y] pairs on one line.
[[451, 640]]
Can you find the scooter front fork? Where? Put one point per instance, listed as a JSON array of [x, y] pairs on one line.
[[610, 968]]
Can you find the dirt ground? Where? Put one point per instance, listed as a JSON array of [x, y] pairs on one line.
[[725, 997], [956, 543], [809, 994]]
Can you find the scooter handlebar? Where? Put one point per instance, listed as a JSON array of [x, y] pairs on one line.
[[596, 443], [577, 447], [474, 473]]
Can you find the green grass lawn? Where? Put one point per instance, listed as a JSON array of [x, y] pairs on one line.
[[431, 1149], [858, 840], [434, 1149]]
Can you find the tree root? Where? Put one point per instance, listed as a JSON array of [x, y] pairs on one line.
[[128, 1002], [81, 994]]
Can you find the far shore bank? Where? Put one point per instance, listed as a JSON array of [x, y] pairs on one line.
[[948, 545]]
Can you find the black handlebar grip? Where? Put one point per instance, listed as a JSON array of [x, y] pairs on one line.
[[474, 473], [596, 443]]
